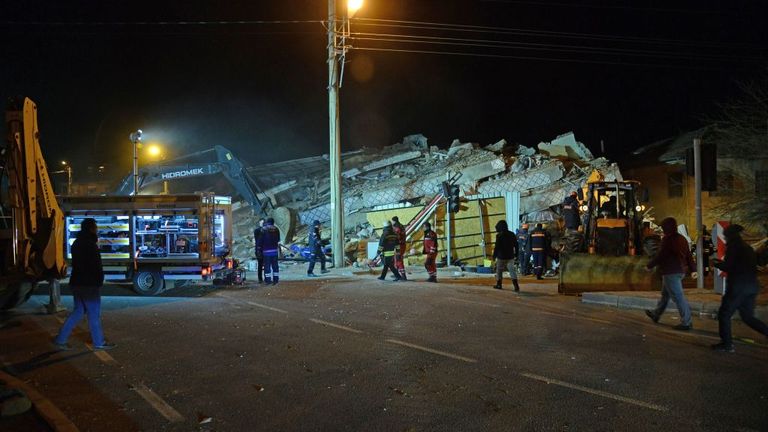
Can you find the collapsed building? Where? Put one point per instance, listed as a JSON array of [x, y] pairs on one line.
[[406, 179]]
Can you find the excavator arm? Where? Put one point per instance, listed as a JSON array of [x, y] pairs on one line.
[[224, 163], [35, 235]]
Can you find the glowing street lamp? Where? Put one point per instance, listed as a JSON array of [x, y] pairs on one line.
[[353, 6], [154, 150]]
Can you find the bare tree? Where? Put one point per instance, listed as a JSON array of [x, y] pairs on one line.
[[740, 131]]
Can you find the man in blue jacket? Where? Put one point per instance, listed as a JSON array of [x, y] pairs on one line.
[[269, 243]]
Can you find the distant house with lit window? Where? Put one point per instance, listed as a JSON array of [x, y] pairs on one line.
[[661, 168]]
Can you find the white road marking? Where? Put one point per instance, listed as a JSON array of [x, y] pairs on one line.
[[330, 324], [473, 302], [433, 351], [266, 307], [158, 403], [595, 392], [273, 309], [102, 355]]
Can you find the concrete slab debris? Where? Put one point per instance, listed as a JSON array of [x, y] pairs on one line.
[[566, 146], [411, 173]]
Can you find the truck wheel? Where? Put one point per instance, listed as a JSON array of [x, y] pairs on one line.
[[148, 282]]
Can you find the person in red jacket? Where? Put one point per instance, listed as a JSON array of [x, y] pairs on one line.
[[674, 261], [430, 250]]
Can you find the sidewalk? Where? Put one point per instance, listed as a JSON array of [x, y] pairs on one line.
[[703, 302]]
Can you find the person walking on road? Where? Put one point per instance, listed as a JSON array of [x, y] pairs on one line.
[[674, 261], [505, 252], [399, 230], [538, 247], [741, 289], [387, 245], [270, 243], [315, 250], [85, 282], [430, 250], [259, 253]]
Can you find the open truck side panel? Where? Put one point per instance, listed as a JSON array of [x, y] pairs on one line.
[[156, 241]]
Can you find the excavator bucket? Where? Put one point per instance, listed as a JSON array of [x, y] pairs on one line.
[[582, 272]]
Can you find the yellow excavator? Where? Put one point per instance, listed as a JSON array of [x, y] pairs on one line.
[[616, 245], [31, 222]]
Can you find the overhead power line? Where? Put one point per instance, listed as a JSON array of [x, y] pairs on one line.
[[543, 33], [490, 43], [545, 59]]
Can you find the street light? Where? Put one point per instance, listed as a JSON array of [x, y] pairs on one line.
[[154, 150], [68, 170], [337, 49], [135, 137], [353, 6]]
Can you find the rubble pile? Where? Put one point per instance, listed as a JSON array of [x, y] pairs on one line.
[[412, 172]]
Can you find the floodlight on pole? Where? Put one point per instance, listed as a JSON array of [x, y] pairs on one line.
[[135, 137]]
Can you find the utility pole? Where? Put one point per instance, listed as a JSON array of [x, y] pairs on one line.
[[697, 206], [337, 205]]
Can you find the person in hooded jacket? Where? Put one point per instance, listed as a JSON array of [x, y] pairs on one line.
[[674, 261], [742, 287], [505, 252], [85, 282]]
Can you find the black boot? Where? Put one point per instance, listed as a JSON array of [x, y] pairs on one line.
[[498, 285], [517, 286], [432, 279]]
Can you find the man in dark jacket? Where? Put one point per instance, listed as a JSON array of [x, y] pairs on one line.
[[742, 287], [538, 246], [674, 261], [85, 282], [259, 254], [505, 253], [571, 212], [388, 243], [522, 248], [269, 242], [315, 250]]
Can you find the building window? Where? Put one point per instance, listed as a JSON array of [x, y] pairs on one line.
[[725, 184], [761, 183], [675, 184]]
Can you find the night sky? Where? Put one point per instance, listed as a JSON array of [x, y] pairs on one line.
[[626, 72]]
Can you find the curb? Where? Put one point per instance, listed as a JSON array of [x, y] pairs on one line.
[[50, 413], [700, 308]]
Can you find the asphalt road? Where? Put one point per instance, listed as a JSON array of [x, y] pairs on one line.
[[357, 354]]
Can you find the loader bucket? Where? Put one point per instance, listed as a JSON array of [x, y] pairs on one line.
[[581, 272]]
